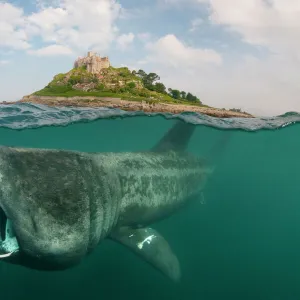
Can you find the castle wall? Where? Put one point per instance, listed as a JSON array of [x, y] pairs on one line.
[[93, 62]]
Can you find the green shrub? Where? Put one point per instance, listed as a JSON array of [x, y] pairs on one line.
[[74, 79], [144, 94], [59, 77], [95, 80], [100, 87], [134, 92], [131, 85]]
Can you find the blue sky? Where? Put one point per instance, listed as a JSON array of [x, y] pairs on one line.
[[230, 54]]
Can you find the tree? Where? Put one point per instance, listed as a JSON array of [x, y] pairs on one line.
[[152, 77], [160, 88], [141, 74], [191, 97], [235, 109], [150, 83], [149, 79], [176, 94]]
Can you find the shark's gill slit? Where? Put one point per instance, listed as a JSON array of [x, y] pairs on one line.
[[3, 221]]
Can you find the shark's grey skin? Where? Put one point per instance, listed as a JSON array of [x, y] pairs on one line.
[[61, 204]]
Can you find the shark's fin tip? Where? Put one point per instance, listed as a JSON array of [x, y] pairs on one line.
[[151, 246]]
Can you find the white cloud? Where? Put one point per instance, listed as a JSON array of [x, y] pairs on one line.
[[135, 12], [195, 24], [52, 50], [144, 36], [271, 23], [271, 83], [80, 25], [12, 35], [4, 62], [274, 24], [170, 51], [124, 40]]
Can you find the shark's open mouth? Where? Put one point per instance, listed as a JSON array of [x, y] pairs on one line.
[[8, 241]]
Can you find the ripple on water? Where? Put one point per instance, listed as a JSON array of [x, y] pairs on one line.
[[25, 115]]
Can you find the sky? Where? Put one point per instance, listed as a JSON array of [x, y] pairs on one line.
[[230, 53]]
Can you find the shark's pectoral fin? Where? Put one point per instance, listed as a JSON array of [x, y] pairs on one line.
[[150, 245]]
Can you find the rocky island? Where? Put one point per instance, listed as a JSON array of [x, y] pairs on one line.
[[94, 82]]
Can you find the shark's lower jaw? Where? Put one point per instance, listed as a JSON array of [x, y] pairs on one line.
[[8, 241]]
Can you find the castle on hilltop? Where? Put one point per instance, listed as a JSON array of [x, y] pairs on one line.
[[93, 62]]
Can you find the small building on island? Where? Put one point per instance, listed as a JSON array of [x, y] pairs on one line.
[[94, 63]]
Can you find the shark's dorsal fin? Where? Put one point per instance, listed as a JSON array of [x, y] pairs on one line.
[[176, 139], [216, 152], [152, 247]]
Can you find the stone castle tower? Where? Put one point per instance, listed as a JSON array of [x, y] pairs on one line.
[[93, 62]]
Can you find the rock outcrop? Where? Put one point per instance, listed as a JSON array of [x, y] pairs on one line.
[[89, 101]]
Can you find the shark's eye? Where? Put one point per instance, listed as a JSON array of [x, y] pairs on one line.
[[3, 220]]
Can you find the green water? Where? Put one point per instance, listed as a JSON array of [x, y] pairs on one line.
[[242, 243]]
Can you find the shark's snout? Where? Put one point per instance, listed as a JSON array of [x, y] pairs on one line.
[[8, 241]]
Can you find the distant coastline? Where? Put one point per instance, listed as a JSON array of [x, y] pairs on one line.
[[129, 105]]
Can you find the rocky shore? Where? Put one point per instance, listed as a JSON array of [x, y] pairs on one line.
[[89, 101]]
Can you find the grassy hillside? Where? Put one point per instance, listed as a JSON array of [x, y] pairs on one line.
[[113, 82]]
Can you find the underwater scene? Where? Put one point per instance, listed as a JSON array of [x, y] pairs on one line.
[[238, 239]]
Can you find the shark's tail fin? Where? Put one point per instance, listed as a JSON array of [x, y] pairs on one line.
[[176, 139]]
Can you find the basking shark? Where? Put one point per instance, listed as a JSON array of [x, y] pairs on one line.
[[56, 206]]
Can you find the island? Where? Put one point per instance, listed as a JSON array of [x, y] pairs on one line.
[[93, 82]]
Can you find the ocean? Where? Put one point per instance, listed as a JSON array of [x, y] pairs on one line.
[[241, 242]]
